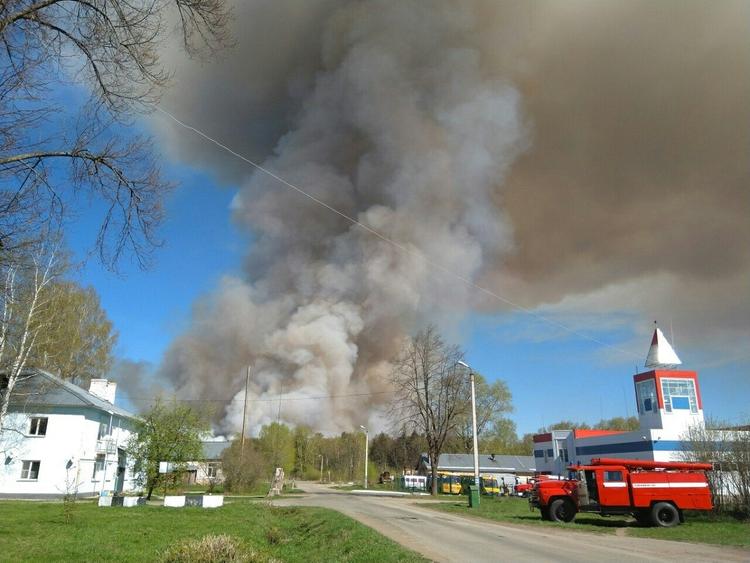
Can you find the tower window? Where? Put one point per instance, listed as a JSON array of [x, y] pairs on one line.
[[679, 395], [646, 391]]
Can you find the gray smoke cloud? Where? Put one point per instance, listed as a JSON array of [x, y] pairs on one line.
[[400, 127], [582, 156]]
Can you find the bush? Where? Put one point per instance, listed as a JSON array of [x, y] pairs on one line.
[[208, 549], [242, 472]]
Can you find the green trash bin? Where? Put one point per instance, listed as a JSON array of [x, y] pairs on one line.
[[473, 496]]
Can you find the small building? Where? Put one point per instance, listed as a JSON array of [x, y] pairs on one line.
[[669, 403], [507, 469], [208, 470], [60, 439]]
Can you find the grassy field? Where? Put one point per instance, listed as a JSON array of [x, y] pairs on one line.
[[698, 527], [37, 531]]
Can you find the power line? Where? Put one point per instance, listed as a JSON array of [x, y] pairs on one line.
[[416, 253]]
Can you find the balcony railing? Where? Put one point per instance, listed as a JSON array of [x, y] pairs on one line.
[[106, 446]]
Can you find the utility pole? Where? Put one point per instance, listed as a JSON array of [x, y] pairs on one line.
[[321, 467], [367, 447], [244, 415]]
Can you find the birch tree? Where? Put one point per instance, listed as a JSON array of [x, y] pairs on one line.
[[25, 315], [432, 391]]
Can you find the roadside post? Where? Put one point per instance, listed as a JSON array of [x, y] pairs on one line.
[[473, 496]]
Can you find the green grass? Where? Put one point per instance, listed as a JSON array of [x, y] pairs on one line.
[[516, 510], [701, 527], [698, 527], [36, 531]]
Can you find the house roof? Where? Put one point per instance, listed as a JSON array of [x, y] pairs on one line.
[[212, 450], [40, 388], [488, 463]]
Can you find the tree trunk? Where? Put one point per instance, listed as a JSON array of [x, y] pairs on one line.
[[433, 467], [150, 490]]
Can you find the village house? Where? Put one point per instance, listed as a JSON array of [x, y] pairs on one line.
[[59, 439], [205, 471]]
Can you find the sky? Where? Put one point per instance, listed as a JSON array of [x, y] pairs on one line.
[[590, 166]]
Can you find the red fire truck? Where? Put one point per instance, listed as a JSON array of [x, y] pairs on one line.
[[654, 492]]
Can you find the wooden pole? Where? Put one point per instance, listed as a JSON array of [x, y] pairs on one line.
[[244, 415]]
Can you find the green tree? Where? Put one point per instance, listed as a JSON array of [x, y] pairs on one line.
[[619, 423], [382, 448], [304, 453], [493, 401], [276, 445], [565, 425], [169, 432], [77, 339], [501, 438]]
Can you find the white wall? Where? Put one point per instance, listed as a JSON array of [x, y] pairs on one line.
[[67, 453]]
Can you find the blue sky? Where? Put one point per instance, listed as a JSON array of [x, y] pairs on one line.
[[150, 307], [551, 376]]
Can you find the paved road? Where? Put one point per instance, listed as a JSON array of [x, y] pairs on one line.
[[445, 537]]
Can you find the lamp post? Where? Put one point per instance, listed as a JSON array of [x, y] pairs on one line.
[[473, 422], [367, 447]]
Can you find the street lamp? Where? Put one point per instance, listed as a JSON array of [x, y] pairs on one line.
[[367, 447], [473, 422]]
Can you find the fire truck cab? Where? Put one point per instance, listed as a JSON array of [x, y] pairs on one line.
[[655, 493]]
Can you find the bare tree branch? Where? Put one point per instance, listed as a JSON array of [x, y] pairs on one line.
[[112, 48]]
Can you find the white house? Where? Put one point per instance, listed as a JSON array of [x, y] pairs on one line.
[[58, 438]]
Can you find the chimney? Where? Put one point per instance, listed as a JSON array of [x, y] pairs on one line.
[[103, 389]]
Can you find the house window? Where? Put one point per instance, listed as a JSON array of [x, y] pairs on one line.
[[212, 470], [30, 470], [646, 391], [98, 465], [679, 394], [103, 430], [38, 426]]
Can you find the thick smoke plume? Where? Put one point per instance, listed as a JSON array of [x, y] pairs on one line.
[[582, 156], [403, 129]]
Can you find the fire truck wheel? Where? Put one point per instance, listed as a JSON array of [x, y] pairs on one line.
[[562, 510], [665, 515]]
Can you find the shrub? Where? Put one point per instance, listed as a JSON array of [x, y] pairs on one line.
[[208, 549], [242, 472]]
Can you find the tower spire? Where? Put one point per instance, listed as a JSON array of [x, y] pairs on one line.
[[661, 355]]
